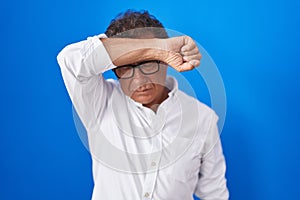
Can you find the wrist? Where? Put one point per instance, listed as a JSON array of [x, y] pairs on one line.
[[160, 49]]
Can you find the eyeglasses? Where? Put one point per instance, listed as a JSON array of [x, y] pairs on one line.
[[147, 68]]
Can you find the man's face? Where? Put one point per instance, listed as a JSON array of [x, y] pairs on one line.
[[146, 89]]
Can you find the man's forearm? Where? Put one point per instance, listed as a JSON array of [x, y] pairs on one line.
[[126, 51], [180, 53]]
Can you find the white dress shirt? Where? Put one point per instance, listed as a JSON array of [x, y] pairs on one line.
[[139, 154]]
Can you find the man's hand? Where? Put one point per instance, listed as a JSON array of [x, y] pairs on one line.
[[182, 53]]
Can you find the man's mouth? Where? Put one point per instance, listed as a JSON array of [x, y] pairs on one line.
[[144, 88]]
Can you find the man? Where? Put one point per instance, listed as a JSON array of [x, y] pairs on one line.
[[148, 140]]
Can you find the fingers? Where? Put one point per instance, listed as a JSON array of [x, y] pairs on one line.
[[182, 64], [188, 47], [192, 57], [190, 52], [183, 54], [189, 44], [195, 63], [193, 60]]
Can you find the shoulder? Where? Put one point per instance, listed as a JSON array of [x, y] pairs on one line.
[[199, 115], [191, 103]]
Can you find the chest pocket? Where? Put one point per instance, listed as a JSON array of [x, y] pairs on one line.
[[183, 162], [184, 169]]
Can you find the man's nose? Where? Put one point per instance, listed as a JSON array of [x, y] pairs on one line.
[[139, 78], [138, 74]]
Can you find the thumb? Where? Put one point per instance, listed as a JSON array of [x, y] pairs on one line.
[[186, 66]]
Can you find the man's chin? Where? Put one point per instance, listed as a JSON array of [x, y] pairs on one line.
[[140, 98]]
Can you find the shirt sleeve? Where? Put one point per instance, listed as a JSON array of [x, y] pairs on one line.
[[82, 65], [212, 182]]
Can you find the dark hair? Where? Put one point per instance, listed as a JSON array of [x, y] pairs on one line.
[[134, 24]]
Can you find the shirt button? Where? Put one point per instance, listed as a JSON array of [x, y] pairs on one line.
[[147, 194], [153, 164]]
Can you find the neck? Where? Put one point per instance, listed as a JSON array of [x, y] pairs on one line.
[[155, 104]]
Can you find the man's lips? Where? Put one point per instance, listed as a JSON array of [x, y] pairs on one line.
[[144, 88], [142, 91]]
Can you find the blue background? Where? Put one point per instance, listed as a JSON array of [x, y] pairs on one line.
[[255, 45]]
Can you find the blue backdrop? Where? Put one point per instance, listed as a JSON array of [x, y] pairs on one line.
[[255, 45]]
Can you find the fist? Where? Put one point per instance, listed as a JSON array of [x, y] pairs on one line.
[[183, 53]]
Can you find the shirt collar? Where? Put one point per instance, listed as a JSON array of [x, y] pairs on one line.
[[172, 85]]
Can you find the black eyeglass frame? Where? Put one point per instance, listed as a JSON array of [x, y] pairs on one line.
[[138, 66]]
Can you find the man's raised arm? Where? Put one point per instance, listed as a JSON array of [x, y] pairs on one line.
[[180, 53]]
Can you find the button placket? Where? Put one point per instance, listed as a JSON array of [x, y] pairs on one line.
[[151, 177]]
